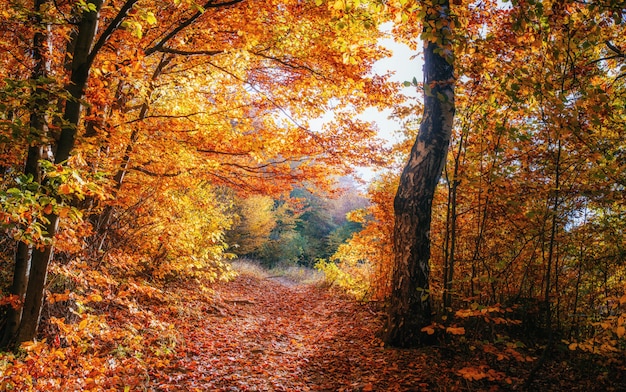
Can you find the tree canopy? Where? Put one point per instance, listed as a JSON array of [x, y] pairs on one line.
[[144, 145]]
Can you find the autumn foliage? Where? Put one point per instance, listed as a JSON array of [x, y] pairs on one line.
[[144, 145], [529, 213]]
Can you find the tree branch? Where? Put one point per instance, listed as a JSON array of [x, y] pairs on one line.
[[189, 52], [288, 64], [210, 4], [154, 174], [615, 49], [111, 28]]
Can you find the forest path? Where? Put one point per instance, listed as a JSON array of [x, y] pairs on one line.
[[274, 335]]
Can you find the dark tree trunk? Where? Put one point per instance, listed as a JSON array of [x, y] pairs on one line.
[[35, 291], [38, 129], [81, 63], [410, 308], [18, 288]]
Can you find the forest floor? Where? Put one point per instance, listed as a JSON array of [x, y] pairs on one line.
[[273, 334], [270, 333]]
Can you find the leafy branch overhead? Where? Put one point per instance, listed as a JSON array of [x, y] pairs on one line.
[[180, 208]]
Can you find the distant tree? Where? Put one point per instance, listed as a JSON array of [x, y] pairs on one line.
[[300, 230], [255, 221]]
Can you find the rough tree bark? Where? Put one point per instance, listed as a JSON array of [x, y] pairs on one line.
[[40, 259], [39, 130], [410, 307]]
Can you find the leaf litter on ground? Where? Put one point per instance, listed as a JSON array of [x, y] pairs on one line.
[[259, 333]]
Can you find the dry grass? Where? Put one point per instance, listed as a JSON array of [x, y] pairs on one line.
[[297, 274], [300, 274], [249, 267]]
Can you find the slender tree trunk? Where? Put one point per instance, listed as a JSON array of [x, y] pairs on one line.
[[410, 308], [581, 260], [451, 223], [38, 129], [104, 219], [552, 240], [18, 288]]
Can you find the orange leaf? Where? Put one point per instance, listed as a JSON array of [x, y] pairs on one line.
[[428, 329], [456, 330], [64, 189], [58, 297], [472, 373], [47, 209]]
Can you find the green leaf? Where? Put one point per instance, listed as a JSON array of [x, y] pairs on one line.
[[428, 90], [150, 18]]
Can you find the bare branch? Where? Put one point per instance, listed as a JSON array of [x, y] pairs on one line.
[[615, 49]]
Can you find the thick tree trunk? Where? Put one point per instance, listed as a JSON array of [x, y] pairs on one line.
[[81, 63], [18, 288], [35, 292], [410, 308], [39, 130]]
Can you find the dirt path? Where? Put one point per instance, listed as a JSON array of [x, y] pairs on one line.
[[269, 335]]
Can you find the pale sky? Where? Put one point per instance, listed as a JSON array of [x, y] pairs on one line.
[[405, 69]]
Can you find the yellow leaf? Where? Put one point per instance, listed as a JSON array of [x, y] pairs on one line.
[[82, 324], [573, 346], [621, 331]]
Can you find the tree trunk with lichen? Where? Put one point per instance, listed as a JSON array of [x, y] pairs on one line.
[[410, 308], [82, 59], [39, 131]]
